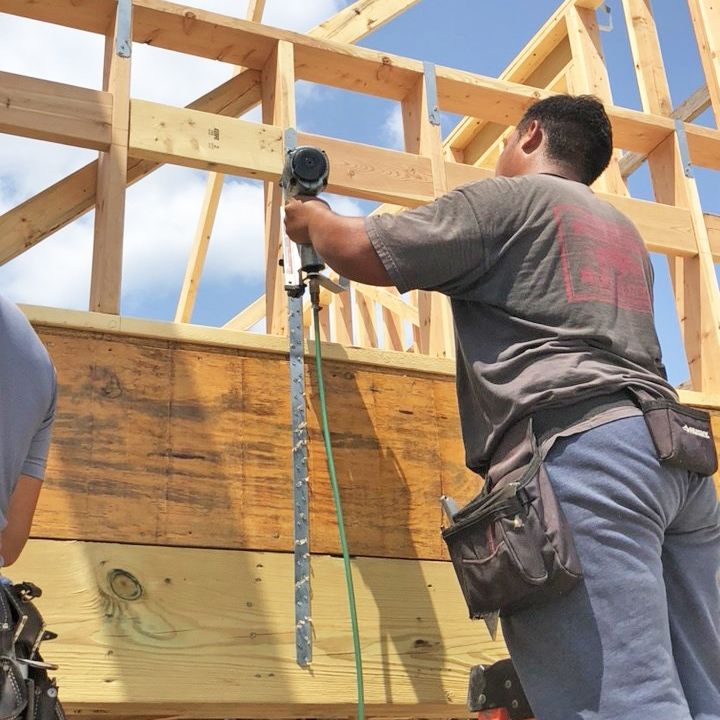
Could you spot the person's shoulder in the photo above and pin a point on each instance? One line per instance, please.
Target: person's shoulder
(494, 189)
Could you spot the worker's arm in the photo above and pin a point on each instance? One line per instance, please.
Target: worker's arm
(446, 245)
(21, 510)
(342, 242)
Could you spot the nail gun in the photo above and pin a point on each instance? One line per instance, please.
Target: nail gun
(305, 172)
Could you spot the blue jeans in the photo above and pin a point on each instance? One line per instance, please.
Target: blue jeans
(640, 636)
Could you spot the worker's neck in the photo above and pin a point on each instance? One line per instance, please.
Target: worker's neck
(546, 168)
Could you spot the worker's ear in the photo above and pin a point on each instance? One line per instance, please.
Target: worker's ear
(532, 138)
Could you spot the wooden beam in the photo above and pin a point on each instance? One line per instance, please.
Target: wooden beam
(137, 638)
(53, 111)
(704, 146)
(40, 216)
(359, 170)
(249, 316)
(589, 76)
(705, 16)
(255, 10)
(163, 133)
(688, 110)
(239, 42)
(712, 223)
(359, 69)
(278, 109)
(649, 66)
(695, 281)
(106, 273)
(214, 337)
(666, 180)
(361, 18)
(390, 301)
(423, 136)
(373, 173)
(198, 251)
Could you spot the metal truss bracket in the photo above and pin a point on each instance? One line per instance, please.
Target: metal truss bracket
(431, 93)
(303, 623)
(123, 28)
(684, 149)
(301, 545)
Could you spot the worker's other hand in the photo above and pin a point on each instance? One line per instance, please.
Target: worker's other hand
(299, 212)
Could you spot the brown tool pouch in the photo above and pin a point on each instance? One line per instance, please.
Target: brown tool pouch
(511, 546)
(682, 435)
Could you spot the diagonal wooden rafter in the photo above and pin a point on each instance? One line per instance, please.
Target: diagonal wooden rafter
(693, 106)
(705, 15)
(211, 200)
(58, 205)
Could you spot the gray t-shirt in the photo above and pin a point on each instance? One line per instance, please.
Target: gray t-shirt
(551, 291)
(27, 402)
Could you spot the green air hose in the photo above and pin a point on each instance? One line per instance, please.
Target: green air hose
(338, 513)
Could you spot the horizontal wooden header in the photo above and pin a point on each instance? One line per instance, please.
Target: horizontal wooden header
(243, 43)
(221, 337)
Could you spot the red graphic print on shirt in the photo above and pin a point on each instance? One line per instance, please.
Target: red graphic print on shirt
(602, 260)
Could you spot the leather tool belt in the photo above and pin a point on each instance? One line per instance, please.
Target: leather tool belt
(511, 546)
(26, 690)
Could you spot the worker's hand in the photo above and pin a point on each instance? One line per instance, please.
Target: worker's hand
(299, 212)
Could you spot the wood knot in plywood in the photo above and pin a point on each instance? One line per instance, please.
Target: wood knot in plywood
(188, 21)
(385, 69)
(125, 585)
(107, 382)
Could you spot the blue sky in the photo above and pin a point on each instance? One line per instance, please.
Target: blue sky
(469, 34)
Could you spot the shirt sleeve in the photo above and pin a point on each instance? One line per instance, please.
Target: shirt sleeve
(440, 246)
(36, 459)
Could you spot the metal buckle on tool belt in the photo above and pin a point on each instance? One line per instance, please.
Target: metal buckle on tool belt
(495, 693)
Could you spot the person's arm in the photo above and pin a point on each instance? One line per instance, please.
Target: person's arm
(342, 242)
(439, 246)
(21, 510)
(24, 497)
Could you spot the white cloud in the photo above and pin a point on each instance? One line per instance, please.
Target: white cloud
(392, 129)
(54, 273)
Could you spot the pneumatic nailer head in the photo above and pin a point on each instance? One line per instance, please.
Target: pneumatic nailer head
(306, 171)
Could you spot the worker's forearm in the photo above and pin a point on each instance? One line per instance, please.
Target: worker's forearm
(334, 237)
(344, 245)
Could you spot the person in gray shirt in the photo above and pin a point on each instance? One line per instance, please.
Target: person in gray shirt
(551, 291)
(27, 411)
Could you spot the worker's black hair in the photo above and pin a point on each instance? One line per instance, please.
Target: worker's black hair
(578, 132)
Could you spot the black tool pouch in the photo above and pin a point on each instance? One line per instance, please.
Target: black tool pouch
(26, 690)
(682, 435)
(511, 546)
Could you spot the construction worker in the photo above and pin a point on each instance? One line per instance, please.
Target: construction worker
(27, 410)
(551, 290)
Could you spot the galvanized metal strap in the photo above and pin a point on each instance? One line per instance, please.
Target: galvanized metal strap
(123, 28)
(431, 93)
(303, 626)
(301, 547)
(684, 149)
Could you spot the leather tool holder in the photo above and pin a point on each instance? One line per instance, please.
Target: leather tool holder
(26, 690)
(511, 546)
